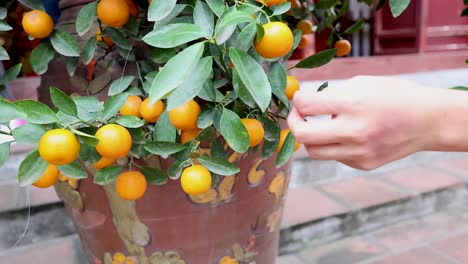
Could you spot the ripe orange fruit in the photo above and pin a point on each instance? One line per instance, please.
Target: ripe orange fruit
(305, 26)
(38, 24)
(188, 135)
(106, 39)
(48, 178)
(133, 8)
(255, 130)
(277, 41)
(292, 86)
(59, 147)
(185, 116)
(104, 162)
(272, 2)
(114, 13)
(151, 112)
(131, 106)
(114, 141)
(195, 180)
(119, 257)
(343, 47)
(304, 42)
(284, 133)
(228, 260)
(131, 185)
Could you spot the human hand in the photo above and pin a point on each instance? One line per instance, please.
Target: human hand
(376, 120)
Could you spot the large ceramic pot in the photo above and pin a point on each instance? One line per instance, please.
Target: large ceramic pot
(237, 219)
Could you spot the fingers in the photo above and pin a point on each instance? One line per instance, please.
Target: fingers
(331, 152)
(311, 103)
(315, 132)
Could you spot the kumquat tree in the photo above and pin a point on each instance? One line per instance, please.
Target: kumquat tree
(193, 119)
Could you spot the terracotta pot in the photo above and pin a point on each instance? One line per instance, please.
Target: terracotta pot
(238, 218)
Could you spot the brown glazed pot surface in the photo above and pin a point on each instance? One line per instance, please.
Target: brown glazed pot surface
(200, 233)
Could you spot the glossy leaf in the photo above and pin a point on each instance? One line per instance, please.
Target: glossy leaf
(278, 81)
(318, 59)
(28, 134)
(120, 85)
(64, 43)
(10, 74)
(174, 35)
(62, 101)
(398, 6)
(86, 18)
(3, 54)
(113, 105)
(154, 176)
(164, 148)
(204, 17)
(73, 171)
(159, 9)
(286, 151)
(37, 112)
(175, 72)
(117, 37)
(41, 56)
(164, 130)
(130, 121)
(89, 50)
(31, 169)
(355, 27)
(33, 4)
(234, 132)
(4, 152)
(107, 175)
(219, 166)
(217, 6)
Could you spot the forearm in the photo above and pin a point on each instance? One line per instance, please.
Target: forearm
(450, 121)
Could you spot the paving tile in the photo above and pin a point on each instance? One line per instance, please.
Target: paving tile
(458, 166)
(456, 247)
(364, 192)
(348, 251)
(289, 259)
(421, 255)
(422, 179)
(306, 204)
(409, 234)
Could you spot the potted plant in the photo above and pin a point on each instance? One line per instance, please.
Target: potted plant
(162, 128)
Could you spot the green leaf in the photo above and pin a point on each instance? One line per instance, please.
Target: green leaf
(322, 87)
(464, 12)
(72, 64)
(4, 26)
(154, 176)
(31, 169)
(245, 38)
(219, 166)
(67, 119)
(355, 27)
(164, 148)
(117, 37)
(159, 9)
(282, 8)
(37, 112)
(171, 17)
(112, 106)
(162, 55)
(253, 77)
(278, 81)
(203, 17)
(86, 18)
(175, 72)
(192, 86)
(286, 151)
(233, 17)
(272, 129)
(217, 6)
(33, 4)
(64, 43)
(398, 6)
(107, 175)
(269, 147)
(120, 85)
(3, 14)
(325, 4)
(241, 90)
(62, 101)
(205, 119)
(209, 93)
(88, 107)
(174, 35)
(175, 169)
(318, 59)
(260, 32)
(41, 56)
(460, 88)
(9, 111)
(89, 50)
(28, 134)
(223, 34)
(206, 134)
(73, 171)
(3, 54)
(234, 132)
(217, 149)
(4, 153)
(297, 35)
(130, 121)
(164, 130)
(11, 74)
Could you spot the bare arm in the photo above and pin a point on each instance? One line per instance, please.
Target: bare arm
(378, 120)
